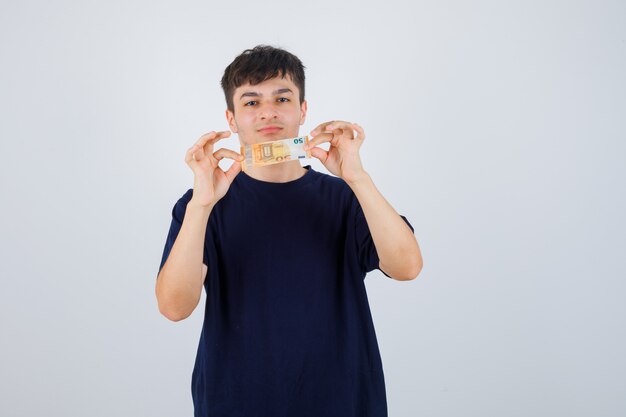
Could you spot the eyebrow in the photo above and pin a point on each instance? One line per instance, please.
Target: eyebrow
(255, 94)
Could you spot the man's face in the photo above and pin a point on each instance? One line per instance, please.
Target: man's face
(274, 102)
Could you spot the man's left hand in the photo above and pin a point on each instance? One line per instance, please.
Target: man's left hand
(342, 158)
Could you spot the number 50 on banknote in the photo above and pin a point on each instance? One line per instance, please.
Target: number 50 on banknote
(274, 152)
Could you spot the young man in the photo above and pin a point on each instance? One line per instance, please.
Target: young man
(282, 252)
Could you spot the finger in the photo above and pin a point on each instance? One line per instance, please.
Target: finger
(219, 136)
(320, 154)
(338, 124)
(204, 138)
(320, 128)
(195, 153)
(212, 137)
(233, 171)
(198, 150)
(207, 140)
(360, 132)
(320, 138)
(227, 153)
(341, 125)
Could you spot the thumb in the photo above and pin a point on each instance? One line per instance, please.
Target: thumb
(319, 153)
(232, 172)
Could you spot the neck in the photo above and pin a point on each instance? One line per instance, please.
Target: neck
(282, 172)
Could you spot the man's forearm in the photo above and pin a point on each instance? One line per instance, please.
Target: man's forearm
(179, 284)
(398, 251)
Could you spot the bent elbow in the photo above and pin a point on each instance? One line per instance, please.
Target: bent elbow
(412, 272)
(175, 306)
(173, 309)
(173, 315)
(176, 318)
(417, 266)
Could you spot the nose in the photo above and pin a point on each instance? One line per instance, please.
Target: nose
(267, 112)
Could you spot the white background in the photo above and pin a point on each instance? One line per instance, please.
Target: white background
(497, 128)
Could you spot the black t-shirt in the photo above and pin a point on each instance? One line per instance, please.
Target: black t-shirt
(287, 328)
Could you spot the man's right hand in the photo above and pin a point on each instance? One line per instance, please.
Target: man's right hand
(210, 182)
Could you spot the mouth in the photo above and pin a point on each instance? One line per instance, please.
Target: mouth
(272, 129)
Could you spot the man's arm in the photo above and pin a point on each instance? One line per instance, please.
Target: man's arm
(179, 284)
(399, 254)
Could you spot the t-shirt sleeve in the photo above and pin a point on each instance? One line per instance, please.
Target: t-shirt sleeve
(368, 257)
(178, 214)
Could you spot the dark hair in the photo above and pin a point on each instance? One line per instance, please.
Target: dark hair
(258, 64)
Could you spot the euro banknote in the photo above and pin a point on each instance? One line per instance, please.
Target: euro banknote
(274, 152)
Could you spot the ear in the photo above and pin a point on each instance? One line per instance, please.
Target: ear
(230, 118)
(303, 110)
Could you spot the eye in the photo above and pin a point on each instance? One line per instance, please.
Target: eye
(253, 101)
(284, 98)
